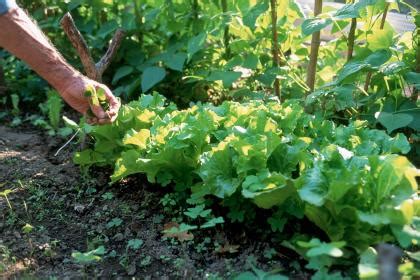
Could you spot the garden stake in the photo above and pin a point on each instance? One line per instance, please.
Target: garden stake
(93, 71)
(351, 38)
(315, 42)
(275, 50)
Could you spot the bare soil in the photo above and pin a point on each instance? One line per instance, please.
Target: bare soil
(65, 211)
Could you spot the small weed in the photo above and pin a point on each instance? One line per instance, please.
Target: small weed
(115, 222)
(107, 196)
(270, 253)
(146, 261)
(134, 244)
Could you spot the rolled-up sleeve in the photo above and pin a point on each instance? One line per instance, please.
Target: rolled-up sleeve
(6, 5)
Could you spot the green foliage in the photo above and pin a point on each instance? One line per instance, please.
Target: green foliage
(347, 180)
(89, 257)
(54, 106)
(115, 222)
(134, 244)
(257, 155)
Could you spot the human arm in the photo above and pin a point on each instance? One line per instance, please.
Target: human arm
(20, 36)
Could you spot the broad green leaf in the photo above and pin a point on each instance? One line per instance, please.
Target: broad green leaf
(107, 28)
(151, 76)
(394, 121)
(74, 4)
(413, 79)
(351, 68)
(411, 108)
(176, 61)
(393, 68)
(374, 219)
(344, 96)
(312, 25)
(378, 58)
(380, 38)
(196, 43)
(251, 61)
(347, 11)
(227, 77)
(121, 73)
(375, 59)
(250, 18)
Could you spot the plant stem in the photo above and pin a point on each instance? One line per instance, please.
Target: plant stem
(276, 48)
(226, 35)
(381, 26)
(416, 92)
(139, 20)
(195, 10)
(315, 42)
(384, 16)
(351, 38)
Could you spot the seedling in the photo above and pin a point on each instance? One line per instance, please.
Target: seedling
(89, 257)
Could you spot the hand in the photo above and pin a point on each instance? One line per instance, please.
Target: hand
(74, 95)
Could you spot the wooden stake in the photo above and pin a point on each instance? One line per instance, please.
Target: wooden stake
(276, 48)
(313, 58)
(416, 92)
(351, 38)
(93, 71)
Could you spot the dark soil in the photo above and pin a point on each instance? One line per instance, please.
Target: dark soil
(65, 211)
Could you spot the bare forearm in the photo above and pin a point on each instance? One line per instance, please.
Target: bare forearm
(20, 36)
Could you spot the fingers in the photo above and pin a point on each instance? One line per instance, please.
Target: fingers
(94, 121)
(101, 116)
(98, 111)
(114, 104)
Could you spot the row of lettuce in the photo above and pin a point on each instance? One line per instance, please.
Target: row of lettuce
(348, 180)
